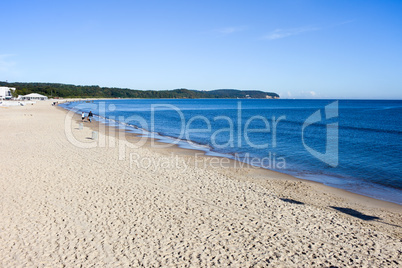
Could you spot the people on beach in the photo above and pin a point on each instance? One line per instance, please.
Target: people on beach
(82, 116)
(90, 116)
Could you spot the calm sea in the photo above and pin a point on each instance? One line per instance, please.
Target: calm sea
(350, 144)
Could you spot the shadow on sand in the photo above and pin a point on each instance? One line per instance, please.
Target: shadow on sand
(356, 214)
(349, 211)
(292, 201)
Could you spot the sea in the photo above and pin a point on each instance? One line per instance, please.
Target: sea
(349, 144)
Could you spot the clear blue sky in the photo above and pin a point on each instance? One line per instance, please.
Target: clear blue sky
(299, 49)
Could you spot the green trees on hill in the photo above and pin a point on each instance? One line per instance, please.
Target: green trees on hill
(72, 91)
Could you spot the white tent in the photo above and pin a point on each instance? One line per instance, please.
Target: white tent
(33, 96)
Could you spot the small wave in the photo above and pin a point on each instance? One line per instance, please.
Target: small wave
(318, 124)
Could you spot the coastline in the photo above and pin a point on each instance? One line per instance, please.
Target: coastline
(258, 171)
(381, 192)
(117, 213)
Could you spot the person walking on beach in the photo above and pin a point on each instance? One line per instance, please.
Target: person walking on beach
(82, 116)
(90, 116)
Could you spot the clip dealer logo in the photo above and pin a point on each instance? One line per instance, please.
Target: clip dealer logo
(331, 155)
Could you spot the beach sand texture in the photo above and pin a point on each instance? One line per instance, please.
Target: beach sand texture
(62, 205)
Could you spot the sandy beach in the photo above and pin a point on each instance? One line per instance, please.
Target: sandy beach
(68, 200)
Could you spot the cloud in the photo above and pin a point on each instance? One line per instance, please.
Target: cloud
(343, 23)
(309, 95)
(231, 30)
(283, 33)
(301, 95)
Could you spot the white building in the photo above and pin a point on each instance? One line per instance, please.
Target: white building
(33, 96)
(5, 93)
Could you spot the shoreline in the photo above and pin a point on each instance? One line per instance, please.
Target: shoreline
(261, 173)
(70, 200)
(231, 158)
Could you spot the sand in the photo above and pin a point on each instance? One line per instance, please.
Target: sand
(109, 205)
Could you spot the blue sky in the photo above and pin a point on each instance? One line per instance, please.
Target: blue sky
(299, 49)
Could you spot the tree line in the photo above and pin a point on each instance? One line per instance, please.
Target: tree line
(74, 91)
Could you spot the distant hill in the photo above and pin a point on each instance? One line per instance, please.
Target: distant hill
(234, 93)
(73, 91)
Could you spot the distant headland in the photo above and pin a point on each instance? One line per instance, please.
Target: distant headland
(74, 91)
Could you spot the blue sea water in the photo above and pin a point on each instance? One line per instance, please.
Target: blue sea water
(349, 144)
